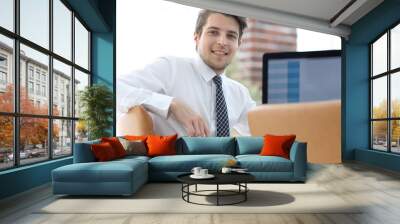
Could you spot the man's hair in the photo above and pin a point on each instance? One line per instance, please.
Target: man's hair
(204, 14)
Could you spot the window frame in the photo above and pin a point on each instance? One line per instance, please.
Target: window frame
(16, 114)
(388, 74)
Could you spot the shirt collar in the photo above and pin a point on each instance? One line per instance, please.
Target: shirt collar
(204, 70)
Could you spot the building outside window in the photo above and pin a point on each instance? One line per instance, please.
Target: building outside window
(385, 91)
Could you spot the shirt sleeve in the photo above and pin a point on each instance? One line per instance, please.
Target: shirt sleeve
(242, 127)
(147, 87)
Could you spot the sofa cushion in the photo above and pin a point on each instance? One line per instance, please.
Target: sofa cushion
(257, 163)
(116, 145)
(134, 147)
(161, 145)
(185, 163)
(249, 145)
(277, 145)
(103, 151)
(206, 145)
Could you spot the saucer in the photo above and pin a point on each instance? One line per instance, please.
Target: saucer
(208, 176)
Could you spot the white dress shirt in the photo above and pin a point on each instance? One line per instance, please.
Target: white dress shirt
(190, 81)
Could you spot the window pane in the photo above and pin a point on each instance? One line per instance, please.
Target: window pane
(33, 139)
(395, 136)
(379, 100)
(81, 45)
(6, 142)
(62, 89)
(62, 29)
(379, 55)
(6, 74)
(395, 47)
(62, 133)
(379, 135)
(81, 131)
(35, 21)
(395, 94)
(81, 81)
(34, 81)
(7, 14)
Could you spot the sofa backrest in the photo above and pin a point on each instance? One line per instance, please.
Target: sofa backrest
(206, 145)
(249, 145)
(317, 123)
(83, 152)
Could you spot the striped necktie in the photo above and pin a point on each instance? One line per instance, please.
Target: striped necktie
(221, 111)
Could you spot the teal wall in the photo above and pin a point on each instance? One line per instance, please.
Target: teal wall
(104, 53)
(24, 178)
(356, 94)
(99, 16)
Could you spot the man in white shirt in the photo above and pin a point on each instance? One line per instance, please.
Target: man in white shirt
(181, 93)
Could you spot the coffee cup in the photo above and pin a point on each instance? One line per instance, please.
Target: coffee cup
(226, 170)
(196, 170)
(203, 172)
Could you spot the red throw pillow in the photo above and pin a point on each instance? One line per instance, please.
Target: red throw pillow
(103, 151)
(277, 145)
(116, 145)
(161, 145)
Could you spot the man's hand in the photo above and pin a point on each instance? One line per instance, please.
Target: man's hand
(191, 121)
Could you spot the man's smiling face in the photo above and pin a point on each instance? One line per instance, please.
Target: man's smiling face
(218, 41)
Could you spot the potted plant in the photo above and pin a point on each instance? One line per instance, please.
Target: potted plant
(96, 102)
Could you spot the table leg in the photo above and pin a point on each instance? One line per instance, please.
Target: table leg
(196, 188)
(217, 194)
(245, 191)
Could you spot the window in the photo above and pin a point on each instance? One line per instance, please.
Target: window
(43, 90)
(35, 21)
(43, 77)
(3, 78)
(3, 72)
(6, 71)
(385, 91)
(37, 75)
(30, 87)
(30, 72)
(54, 125)
(38, 89)
(3, 61)
(7, 14)
(81, 45)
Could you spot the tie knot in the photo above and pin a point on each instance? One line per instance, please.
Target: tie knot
(217, 80)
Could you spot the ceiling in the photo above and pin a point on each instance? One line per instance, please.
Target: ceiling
(327, 16)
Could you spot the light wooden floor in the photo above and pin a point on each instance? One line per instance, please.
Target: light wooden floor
(353, 182)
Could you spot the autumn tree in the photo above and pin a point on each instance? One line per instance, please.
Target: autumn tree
(380, 127)
(33, 130)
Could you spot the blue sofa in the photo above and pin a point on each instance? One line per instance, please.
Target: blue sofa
(125, 176)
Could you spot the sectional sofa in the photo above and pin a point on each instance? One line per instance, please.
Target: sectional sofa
(125, 176)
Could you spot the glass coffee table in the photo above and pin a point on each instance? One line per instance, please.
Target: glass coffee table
(238, 179)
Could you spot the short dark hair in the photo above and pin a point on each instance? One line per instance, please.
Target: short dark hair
(205, 13)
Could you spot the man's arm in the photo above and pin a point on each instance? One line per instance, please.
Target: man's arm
(147, 87)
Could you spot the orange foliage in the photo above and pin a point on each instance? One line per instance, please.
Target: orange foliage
(33, 130)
